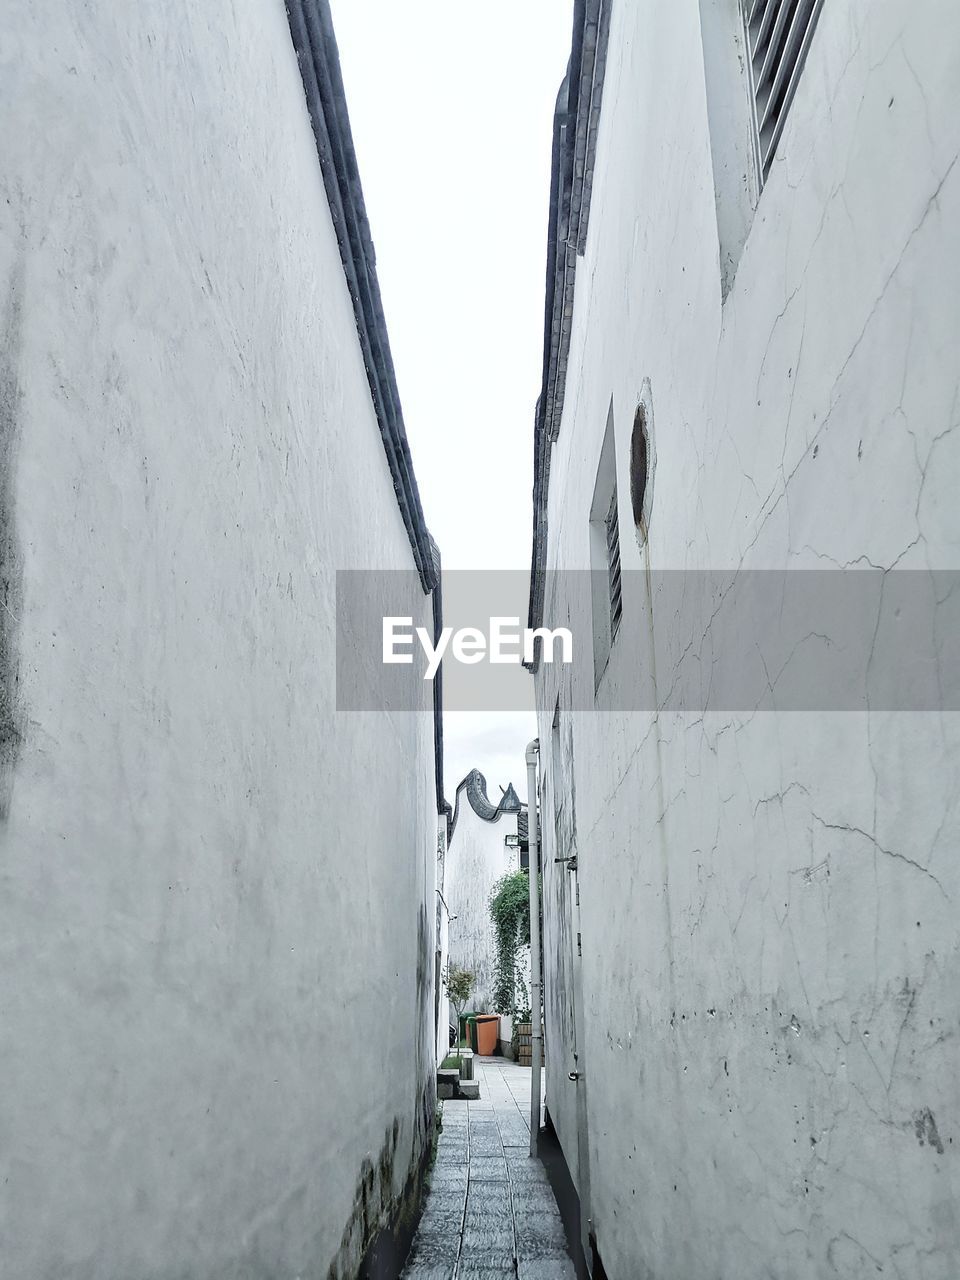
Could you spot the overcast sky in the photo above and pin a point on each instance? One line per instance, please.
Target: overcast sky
(451, 106)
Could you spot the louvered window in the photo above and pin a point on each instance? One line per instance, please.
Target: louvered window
(612, 525)
(778, 36)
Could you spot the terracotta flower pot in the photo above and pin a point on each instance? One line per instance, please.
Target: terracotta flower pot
(488, 1033)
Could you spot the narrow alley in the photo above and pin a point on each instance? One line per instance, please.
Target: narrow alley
(490, 1211)
(480, 584)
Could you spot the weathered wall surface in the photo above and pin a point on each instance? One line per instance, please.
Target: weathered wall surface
(216, 894)
(444, 1011)
(768, 903)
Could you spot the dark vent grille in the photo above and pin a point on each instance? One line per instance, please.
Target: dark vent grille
(778, 35)
(613, 565)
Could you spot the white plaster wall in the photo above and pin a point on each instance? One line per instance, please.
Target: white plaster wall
(216, 893)
(558, 839)
(769, 904)
(445, 1013)
(476, 860)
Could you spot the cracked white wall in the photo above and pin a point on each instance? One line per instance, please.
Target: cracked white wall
(444, 1010)
(216, 893)
(768, 902)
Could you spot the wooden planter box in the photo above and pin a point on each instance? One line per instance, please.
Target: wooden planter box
(524, 1032)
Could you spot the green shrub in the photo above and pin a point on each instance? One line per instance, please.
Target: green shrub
(510, 912)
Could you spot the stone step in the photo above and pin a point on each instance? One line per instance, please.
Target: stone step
(447, 1080)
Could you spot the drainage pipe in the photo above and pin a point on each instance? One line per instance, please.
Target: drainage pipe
(536, 1048)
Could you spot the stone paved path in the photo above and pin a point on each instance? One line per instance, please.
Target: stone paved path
(490, 1212)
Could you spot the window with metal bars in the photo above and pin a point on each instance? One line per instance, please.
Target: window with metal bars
(778, 37)
(606, 586)
(612, 526)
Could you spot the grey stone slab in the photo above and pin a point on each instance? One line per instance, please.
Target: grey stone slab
(440, 1221)
(490, 1204)
(434, 1250)
(469, 1089)
(446, 1193)
(452, 1135)
(435, 1242)
(445, 1089)
(452, 1141)
(488, 1244)
(514, 1136)
(489, 1192)
(549, 1252)
(546, 1269)
(485, 1144)
(443, 1213)
(533, 1199)
(428, 1271)
(525, 1168)
(521, 1188)
(488, 1168)
(489, 1270)
(541, 1235)
(454, 1182)
(451, 1155)
(491, 1201)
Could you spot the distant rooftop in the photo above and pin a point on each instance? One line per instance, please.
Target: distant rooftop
(474, 787)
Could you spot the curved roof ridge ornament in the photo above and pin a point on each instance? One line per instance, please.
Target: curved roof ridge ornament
(475, 787)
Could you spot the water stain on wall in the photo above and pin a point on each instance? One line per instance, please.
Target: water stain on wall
(378, 1232)
(377, 1236)
(11, 563)
(925, 1127)
(423, 985)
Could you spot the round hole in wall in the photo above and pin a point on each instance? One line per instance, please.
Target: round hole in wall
(640, 469)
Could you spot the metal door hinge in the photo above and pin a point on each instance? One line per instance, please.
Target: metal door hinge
(573, 1075)
(579, 945)
(571, 862)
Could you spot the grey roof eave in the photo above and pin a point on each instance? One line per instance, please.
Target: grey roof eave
(311, 29)
(575, 127)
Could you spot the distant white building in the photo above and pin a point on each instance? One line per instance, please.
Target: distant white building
(752, 946)
(487, 841)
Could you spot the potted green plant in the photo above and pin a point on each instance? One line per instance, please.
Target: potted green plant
(459, 984)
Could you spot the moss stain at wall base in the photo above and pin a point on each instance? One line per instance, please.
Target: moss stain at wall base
(11, 564)
(382, 1225)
